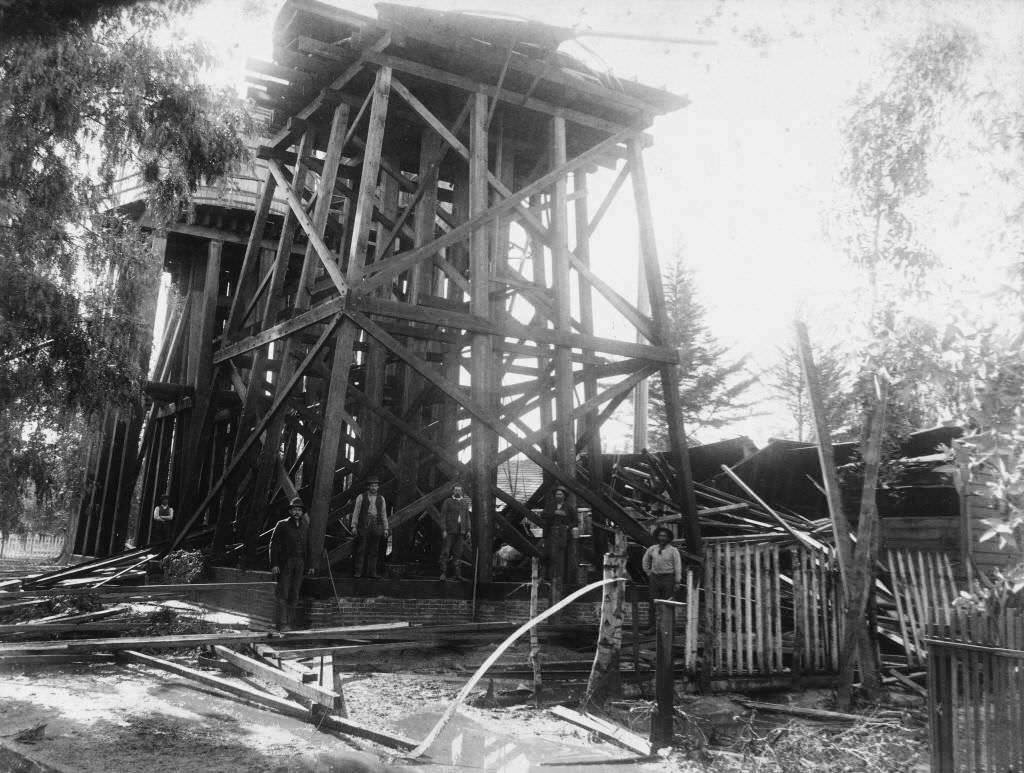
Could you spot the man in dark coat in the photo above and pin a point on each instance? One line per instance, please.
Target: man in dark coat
(559, 517)
(455, 528)
(369, 526)
(289, 556)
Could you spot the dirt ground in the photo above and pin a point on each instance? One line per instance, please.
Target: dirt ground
(105, 717)
(110, 717)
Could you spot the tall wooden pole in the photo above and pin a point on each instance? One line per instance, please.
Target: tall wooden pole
(481, 381)
(333, 429)
(683, 494)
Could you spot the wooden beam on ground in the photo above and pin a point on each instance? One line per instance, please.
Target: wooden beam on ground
(120, 591)
(607, 730)
(315, 693)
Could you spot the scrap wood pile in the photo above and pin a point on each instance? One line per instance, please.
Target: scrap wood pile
(643, 484)
(913, 590)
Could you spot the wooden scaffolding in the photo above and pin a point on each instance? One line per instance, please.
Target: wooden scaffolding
(423, 308)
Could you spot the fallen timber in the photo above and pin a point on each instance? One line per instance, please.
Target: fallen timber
(280, 705)
(188, 640)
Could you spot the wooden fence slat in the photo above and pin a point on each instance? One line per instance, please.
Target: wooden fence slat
(748, 624)
(759, 578)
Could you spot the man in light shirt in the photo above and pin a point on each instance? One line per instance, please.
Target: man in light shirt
(369, 525)
(663, 566)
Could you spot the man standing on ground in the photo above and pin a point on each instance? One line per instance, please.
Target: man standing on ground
(455, 528)
(289, 556)
(663, 566)
(369, 525)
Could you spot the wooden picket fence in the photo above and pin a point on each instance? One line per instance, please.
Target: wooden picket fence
(976, 693)
(764, 599)
(816, 612)
(923, 588)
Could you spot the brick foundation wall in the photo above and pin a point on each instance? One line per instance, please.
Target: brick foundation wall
(349, 610)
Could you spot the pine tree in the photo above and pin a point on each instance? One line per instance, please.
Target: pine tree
(786, 380)
(712, 385)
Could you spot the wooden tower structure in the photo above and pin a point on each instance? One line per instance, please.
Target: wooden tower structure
(424, 307)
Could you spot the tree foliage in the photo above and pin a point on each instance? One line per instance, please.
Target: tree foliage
(786, 380)
(712, 385)
(88, 93)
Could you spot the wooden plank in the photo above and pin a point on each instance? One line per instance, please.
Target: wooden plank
(116, 591)
(315, 693)
(246, 693)
(327, 258)
(614, 733)
(317, 314)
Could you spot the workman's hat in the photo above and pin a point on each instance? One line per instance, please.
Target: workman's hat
(372, 479)
(296, 502)
(563, 489)
(663, 529)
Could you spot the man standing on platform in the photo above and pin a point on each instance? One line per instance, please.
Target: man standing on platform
(369, 525)
(163, 516)
(455, 528)
(289, 556)
(663, 566)
(559, 517)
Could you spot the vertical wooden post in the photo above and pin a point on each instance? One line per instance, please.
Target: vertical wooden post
(663, 719)
(560, 276)
(683, 494)
(201, 370)
(605, 676)
(332, 431)
(481, 386)
(539, 268)
(534, 637)
(590, 423)
(421, 279)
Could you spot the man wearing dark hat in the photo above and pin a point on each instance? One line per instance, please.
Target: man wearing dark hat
(289, 556)
(369, 526)
(455, 527)
(663, 566)
(559, 517)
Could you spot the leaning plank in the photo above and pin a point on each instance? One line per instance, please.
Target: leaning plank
(612, 732)
(315, 693)
(251, 694)
(83, 617)
(800, 711)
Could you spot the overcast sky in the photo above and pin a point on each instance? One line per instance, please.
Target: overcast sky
(745, 179)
